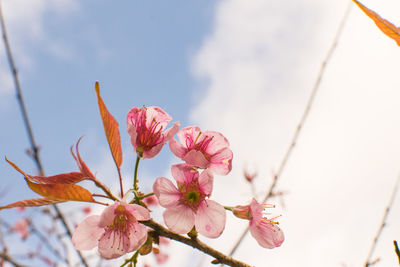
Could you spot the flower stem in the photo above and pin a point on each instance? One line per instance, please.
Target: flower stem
(135, 187)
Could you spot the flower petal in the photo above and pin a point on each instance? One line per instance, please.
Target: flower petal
(267, 235)
(188, 135)
(139, 212)
(179, 219)
(86, 235)
(210, 219)
(217, 143)
(111, 245)
(221, 162)
(157, 114)
(107, 217)
(140, 236)
(184, 173)
(177, 148)
(196, 158)
(166, 192)
(206, 182)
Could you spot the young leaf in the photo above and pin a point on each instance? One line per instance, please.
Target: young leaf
(81, 164)
(31, 203)
(64, 178)
(110, 128)
(385, 26)
(61, 192)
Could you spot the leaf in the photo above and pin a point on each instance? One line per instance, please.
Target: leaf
(385, 26)
(110, 128)
(64, 178)
(31, 203)
(81, 164)
(61, 192)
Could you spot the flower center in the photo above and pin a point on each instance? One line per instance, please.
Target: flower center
(191, 195)
(148, 137)
(199, 145)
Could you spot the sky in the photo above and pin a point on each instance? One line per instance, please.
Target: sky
(243, 68)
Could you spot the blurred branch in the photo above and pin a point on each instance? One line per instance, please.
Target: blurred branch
(220, 258)
(7, 258)
(396, 249)
(302, 120)
(34, 147)
(383, 223)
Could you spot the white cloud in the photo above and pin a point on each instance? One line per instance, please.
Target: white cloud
(259, 64)
(25, 25)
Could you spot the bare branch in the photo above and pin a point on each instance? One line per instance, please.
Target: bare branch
(383, 223)
(396, 249)
(34, 147)
(302, 120)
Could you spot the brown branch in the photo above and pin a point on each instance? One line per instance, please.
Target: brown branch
(7, 258)
(34, 147)
(383, 223)
(220, 258)
(396, 249)
(302, 120)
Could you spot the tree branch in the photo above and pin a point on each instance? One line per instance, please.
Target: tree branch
(195, 243)
(34, 147)
(383, 223)
(302, 120)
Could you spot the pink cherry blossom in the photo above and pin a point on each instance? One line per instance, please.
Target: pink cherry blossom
(186, 205)
(265, 231)
(22, 228)
(205, 150)
(145, 126)
(115, 232)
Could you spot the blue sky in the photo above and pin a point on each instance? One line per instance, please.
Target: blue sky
(244, 68)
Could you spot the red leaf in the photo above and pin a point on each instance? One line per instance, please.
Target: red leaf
(31, 203)
(62, 192)
(64, 178)
(385, 26)
(81, 164)
(110, 128)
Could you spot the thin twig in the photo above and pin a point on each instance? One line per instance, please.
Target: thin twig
(220, 258)
(302, 120)
(396, 249)
(7, 258)
(383, 223)
(34, 147)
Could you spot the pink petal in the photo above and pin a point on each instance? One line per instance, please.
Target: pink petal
(140, 213)
(87, 233)
(184, 173)
(210, 219)
(111, 245)
(148, 154)
(179, 219)
(177, 148)
(188, 133)
(140, 236)
(267, 235)
(158, 114)
(169, 133)
(217, 143)
(131, 129)
(221, 162)
(206, 182)
(107, 217)
(196, 158)
(166, 192)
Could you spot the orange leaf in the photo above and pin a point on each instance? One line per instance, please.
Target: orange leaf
(30, 203)
(64, 178)
(385, 26)
(111, 129)
(61, 192)
(81, 164)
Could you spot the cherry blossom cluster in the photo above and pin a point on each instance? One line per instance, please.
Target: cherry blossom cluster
(121, 227)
